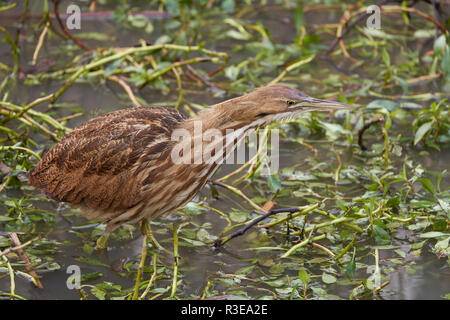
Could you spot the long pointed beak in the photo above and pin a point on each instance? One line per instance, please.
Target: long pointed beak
(313, 104)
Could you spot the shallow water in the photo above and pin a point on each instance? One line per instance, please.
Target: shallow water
(428, 278)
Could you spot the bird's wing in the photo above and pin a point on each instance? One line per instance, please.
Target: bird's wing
(94, 165)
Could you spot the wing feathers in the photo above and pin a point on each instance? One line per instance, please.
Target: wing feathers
(97, 164)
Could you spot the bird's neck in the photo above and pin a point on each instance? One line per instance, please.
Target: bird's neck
(219, 117)
(213, 133)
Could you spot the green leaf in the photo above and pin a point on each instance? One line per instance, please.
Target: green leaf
(232, 72)
(433, 234)
(386, 58)
(276, 283)
(238, 35)
(138, 21)
(245, 270)
(304, 276)
(277, 268)
(328, 278)
(91, 276)
(440, 225)
(228, 5)
(298, 18)
(427, 185)
(442, 245)
(195, 243)
(393, 202)
(88, 248)
(383, 104)
(173, 7)
(333, 130)
(423, 129)
(95, 36)
(204, 235)
(238, 215)
(439, 45)
(381, 236)
(445, 206)
(274, 182)
(193, 208)
(400, 252)
(5, 218)
(98, 293)
(92, 261)
(350, 269)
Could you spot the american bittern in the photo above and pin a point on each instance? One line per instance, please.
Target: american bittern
(118, 166)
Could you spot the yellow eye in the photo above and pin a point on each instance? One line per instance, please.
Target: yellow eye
(290, 102)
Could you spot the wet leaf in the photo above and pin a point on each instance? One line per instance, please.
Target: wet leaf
(298, 18)
(88, 248)
(98, 293)
(92, 261)
(445, 206)
(328, 278)
(194, 208)
(440, 225)
(440, 45)
(442, 245)
(422, 131)
(381, 236)
(276, 283)
(433, 234)
(245, 270)
(304, 276)
(204, 236)
(383, 104)
(91, 276)
(228, 5)
(274, 182)
(427, 185)
(350, 269)
(386, 58)
(238, 215)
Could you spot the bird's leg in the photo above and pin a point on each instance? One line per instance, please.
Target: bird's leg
(219, 242)
(175, 260)
(102, 241)
(145, 226)
(146, 230)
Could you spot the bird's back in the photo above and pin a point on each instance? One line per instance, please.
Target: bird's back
(99, 164)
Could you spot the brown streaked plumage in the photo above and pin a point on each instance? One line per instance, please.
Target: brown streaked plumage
(118, 166)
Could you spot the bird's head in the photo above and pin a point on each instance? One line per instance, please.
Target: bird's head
(265, 105)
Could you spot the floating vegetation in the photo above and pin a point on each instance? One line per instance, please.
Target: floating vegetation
(367, 190)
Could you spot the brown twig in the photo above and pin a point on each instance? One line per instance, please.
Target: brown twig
(205, 80)
(21, 23)
(127, 89)
(363, 129)
(24, 257)
(221, 241)
(420, 13)
(342, 33)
